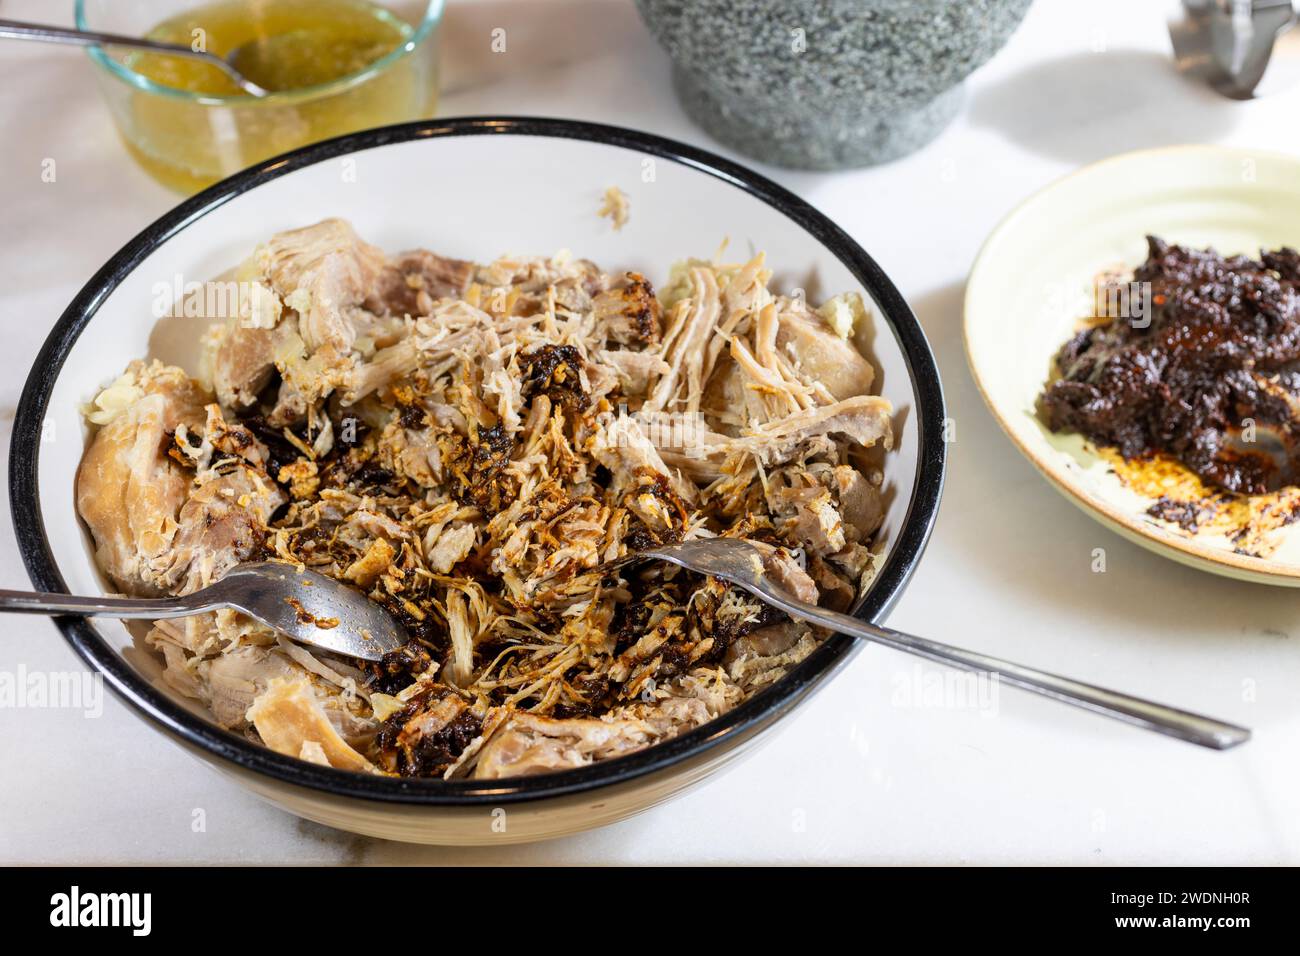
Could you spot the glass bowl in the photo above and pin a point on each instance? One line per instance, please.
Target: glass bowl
(190, 140)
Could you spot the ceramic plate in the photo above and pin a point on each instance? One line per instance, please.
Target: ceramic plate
(1033, 281)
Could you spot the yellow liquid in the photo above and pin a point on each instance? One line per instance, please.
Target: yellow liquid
(306, 42)
(297, 44)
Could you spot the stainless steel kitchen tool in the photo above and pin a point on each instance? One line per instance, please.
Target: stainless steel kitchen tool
(14, 30)
(753, 568)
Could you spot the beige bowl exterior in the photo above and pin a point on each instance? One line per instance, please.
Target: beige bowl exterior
(544, 818)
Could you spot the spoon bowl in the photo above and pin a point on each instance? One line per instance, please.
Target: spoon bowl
(310, 608)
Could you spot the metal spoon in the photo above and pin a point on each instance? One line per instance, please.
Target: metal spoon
(15, 30)
(751, 567)
(305, 606)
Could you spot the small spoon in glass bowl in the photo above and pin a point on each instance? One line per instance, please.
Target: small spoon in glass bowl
(15, 30)
(303, 605)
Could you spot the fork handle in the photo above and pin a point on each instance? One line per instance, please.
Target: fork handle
(1194, 728)
(36, 602)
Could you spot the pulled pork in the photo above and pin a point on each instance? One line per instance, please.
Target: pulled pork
(468, 444)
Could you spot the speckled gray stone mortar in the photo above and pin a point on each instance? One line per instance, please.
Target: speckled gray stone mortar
(827, 84)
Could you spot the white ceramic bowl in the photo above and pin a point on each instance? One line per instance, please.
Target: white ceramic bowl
(1032, 283)
(473, 188)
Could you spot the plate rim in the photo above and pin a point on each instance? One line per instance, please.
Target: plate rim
(748, 718)
(1189, 552)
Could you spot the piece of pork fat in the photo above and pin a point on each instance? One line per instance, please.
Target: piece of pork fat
(452, 328)
(290, 720)
(684, 703)
(860, 501)
(621, 445)
(629, 313)
(412, 453)
(415, 280)
(635, 371)
(460, 633)
(233, 679)
(684, 347)
(765, 655)
(816, 519)
(745, 297)
(223, 522)
(451, 546)
(501, 378)
(321, 280)
(781, 566)
(526, 744)
(826, 506)
(864, 420)
(221, 438)
(819, 355)
(386, 366)
(531, 274)
(129, 491)
(325, 273)
(240, 360)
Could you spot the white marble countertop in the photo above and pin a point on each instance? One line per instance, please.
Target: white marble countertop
(866, 772)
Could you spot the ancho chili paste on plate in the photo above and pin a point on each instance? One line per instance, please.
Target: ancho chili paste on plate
(1204, 367)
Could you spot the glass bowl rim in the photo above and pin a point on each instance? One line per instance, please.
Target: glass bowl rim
(428, 23)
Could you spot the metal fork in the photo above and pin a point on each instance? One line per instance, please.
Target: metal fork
(754, 568)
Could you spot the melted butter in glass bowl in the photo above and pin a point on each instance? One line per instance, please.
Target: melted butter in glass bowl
(334, 66)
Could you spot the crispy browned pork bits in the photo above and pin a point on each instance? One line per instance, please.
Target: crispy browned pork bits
(1208, 376)
(468, 444)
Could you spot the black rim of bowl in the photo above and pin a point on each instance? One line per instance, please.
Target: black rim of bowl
(735, 724)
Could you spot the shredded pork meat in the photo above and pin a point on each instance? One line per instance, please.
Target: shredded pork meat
(468, 444)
